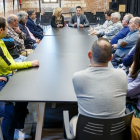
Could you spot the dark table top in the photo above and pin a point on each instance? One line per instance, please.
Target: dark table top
(67, 31)
(60, 57)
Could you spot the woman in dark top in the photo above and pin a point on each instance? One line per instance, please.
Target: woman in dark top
(30, 42)
(57, 18)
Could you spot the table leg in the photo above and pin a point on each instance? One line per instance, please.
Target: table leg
(40, 120)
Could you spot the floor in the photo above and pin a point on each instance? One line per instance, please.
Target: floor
(31, 119)
(30, 126)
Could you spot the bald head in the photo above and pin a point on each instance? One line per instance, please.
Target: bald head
(12, 20)
(134, 23)
(101, 51)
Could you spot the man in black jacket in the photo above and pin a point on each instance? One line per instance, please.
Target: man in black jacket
(78, 19)
(34, 28)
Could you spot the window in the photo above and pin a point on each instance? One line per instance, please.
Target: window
(49, 1)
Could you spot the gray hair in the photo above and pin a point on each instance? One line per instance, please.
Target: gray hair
(128, 17)
(11, 18)
(22, 15)
(30, 12)
(116, 15)
(137, 20)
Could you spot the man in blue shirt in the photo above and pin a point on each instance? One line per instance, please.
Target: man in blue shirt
(124, 45)
(124, 31)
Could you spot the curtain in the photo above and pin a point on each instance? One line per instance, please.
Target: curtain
(132, 6)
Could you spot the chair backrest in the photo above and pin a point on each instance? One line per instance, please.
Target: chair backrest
(37, 17)
(122, 15)
(48, 9)
(104, 129)
(37, 14)
(48, 14)
(45, 19)
(102, 19)
(72, 10)
(92, 19)
(99, 13)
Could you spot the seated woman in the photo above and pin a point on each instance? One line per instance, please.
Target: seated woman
(134, 80)
(30, 42)
(57, 18)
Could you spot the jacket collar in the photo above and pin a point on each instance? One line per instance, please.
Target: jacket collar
(30, 19)
(22, 23)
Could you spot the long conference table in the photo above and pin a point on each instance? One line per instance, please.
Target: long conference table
(61, 53)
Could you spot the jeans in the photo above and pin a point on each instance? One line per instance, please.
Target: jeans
(8, 124)
(14, 116)
(3, 83)
(34, 46)
(21, 58)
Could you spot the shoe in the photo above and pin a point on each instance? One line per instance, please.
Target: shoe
(20, 135)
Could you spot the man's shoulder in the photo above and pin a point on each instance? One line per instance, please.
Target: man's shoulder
(2, 46)
(29, 21)
(79, 73)
(73, 16)
(119, 73)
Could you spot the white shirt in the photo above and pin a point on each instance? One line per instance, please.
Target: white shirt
(78, 21)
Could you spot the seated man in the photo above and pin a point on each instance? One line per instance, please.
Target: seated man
(124, 45)
(100, 91)
(107, 23)
(14, 116)
(34, 28)
(30, 42)
(127, 61)
(112, 30)
(78, 19)
(17, 34)
(124, 31)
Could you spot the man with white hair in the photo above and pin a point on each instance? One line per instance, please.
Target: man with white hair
(14, 32)
(124, 45)
(115, 27)
(124, 31)
(112, 29)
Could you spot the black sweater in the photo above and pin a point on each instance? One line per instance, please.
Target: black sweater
(55, 22)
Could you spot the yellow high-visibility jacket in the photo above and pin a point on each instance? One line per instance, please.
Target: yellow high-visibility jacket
(7, 63)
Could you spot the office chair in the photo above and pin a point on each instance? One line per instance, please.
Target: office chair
(98, 128)
(37, 17)
(72, 10)
(48, 9)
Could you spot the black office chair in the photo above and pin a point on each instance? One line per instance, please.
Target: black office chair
(122, 15)
(87, 14)
(37, 17)
(98, 14)
(102, 19)
(48, 14)
(92, 19)
(99, 129)
(45, 21)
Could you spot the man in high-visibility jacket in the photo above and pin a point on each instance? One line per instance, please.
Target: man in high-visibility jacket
(7, 65)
